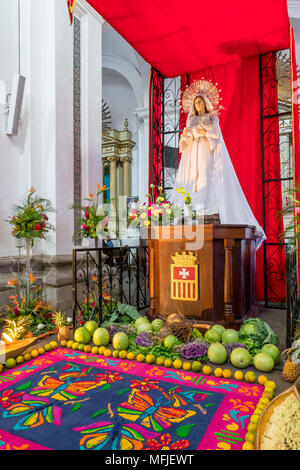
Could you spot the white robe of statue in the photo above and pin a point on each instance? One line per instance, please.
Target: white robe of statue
(206, 172)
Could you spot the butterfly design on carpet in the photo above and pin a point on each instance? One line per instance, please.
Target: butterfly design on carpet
(119, 436)
(140, 407)
(34, 412)
(180, 398)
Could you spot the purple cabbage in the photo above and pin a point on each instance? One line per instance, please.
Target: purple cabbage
(144, 339)
(193, 350)
(231, 346)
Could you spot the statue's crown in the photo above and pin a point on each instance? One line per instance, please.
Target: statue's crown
(184, 259)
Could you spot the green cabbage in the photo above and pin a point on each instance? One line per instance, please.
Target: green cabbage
(254, 333)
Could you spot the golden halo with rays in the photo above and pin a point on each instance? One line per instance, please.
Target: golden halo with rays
(283, 76)
(204, 88)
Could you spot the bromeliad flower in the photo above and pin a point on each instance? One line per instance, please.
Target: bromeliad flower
(109, 377)
(145, 385)
(8, 398)
(164, 443)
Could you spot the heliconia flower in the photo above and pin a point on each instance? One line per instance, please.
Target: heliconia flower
(12, 283)
(16, 311)
(101, 189)
(38, 227)
(31, 190)
(87, 215)
(32, 278)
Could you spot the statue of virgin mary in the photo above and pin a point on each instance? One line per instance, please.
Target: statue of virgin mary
(205, 170)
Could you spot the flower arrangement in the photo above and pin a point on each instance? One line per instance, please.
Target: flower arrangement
(30, 222)
(94, 221)
(28, 303)
(159, 211)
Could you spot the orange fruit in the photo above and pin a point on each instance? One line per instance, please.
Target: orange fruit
(123, 354)
(116, 353)
(130, 356)
(238, 375)
(63, 343)
(107, 353)
(102, 350)
(42, 351)
(262, 379)
(167, 362)
(87, 348)
(34, 353)
(187, 366)
(218, 372)
(227, 373)
(95, 350)
(27, 356)
(140, 357)
(19, 360)
(207, 370)
(248, 446)
(177, 364)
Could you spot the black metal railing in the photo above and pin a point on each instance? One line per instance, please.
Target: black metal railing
(104, 278)
(293, 304)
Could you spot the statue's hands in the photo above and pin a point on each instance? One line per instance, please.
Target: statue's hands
(201, 132)
(185, 132)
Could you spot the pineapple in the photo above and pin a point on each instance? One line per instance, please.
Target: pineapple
(61, 323)
(18, 328)
(291, 369)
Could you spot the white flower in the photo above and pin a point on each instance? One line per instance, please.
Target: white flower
(69, 320)
(40, 326)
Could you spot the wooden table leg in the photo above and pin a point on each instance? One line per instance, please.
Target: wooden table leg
(228, 284)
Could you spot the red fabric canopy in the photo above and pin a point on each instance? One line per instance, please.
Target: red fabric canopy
(179, 37)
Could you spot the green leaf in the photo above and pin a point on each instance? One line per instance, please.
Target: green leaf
(123, 390)
(105, 387)
(184, 431)
(98, 413)
(76, 407)
(24, 386)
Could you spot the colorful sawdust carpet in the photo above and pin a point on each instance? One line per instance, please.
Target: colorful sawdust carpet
(71, 400)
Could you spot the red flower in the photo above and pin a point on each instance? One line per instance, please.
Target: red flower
(164, 444)
(85, 227)
(297, 211)
(38, 227)
(16, 311)
(109, 377)
(9, 398)
(45, 217)
(87, 215)
(145, 385)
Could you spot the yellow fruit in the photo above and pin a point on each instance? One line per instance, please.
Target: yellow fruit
(150, 358)
(268, 395)
(257, 412)
(160, 361)
(250, 437)
(177, 364)
(254, 419)
(34, 353)
(115, 353)
(252, 427)
(196, 366)
(70, 344)
(140, 357)
(87, 348)
(53, 344)
(63, 343)
(95, 350)
(48, 347)
(238, 375)
(75, 346)
(42, 351)
(102, 349)
(260, 406)
(227, 373)
(168, 363)
(19, 360)
(262, 379)
(10, 363)
(248, 446)
(123, 354)
(107, 353)
(270, 384)
(265, 401)
(187, 366)
(27, 356)
(130, 356)
(81, 347)
(218, 372)
(250, 377)
(269, 390)
(207, 370)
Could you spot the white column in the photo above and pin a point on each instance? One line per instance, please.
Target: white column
(91, 95)
(142, 115)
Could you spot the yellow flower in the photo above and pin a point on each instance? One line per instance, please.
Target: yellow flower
(160, 199)
(147, 222)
